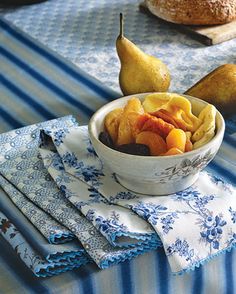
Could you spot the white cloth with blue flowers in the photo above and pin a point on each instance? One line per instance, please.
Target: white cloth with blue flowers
(193, 225)
(21, 165)
(115, 223)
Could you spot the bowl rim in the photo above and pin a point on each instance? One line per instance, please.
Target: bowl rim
(219, 133)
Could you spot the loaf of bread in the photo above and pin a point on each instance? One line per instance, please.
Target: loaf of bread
(194, 12)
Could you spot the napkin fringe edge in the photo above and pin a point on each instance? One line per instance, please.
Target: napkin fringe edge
(113, 260)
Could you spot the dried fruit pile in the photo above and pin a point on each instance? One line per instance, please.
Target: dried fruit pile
(162, 125)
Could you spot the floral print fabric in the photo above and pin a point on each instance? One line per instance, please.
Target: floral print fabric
(22, 166)
(194, 225)
(114, 223)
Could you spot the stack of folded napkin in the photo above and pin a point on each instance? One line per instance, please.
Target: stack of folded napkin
(60, 189)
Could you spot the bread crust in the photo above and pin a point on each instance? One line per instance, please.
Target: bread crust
(194, 12)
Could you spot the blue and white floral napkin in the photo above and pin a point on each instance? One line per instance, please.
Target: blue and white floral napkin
(194, 225)
(114, 222)
(22, 166)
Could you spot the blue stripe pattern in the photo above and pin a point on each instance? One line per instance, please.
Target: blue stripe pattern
(230, 140)
(10, 119)
(85, 280)
(223, 171)
(162, 270)
(126, 278)
(197, 281)
(58, 62)
(26, 98)
(45, 82)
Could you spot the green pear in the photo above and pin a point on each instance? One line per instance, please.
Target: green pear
(139, 71)
(218, 88)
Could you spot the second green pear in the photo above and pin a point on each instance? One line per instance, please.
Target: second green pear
(140, 72)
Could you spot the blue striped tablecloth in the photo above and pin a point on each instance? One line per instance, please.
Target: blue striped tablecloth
(36, 85)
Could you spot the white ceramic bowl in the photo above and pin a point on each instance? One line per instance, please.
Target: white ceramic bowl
(155, 175)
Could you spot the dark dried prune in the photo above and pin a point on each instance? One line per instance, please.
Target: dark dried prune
(106, 139)
(134, 148)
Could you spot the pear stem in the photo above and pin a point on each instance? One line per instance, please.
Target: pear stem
(121, 26)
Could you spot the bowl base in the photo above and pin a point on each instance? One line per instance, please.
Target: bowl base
(157, 189)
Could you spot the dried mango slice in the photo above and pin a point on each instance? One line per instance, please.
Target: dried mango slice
(112, 121)
(177, 105)
(170, 118)
(207, 118)
(147, 122)
(163, 114)
(156, 143)
(154, 102)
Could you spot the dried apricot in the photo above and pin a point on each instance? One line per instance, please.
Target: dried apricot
(163, 114)
(157, 125)
(155, 142)
(137, 127)
(176, 138)
(172, 151)
(169, 118)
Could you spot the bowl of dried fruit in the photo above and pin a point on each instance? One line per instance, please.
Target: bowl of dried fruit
(156, 143)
